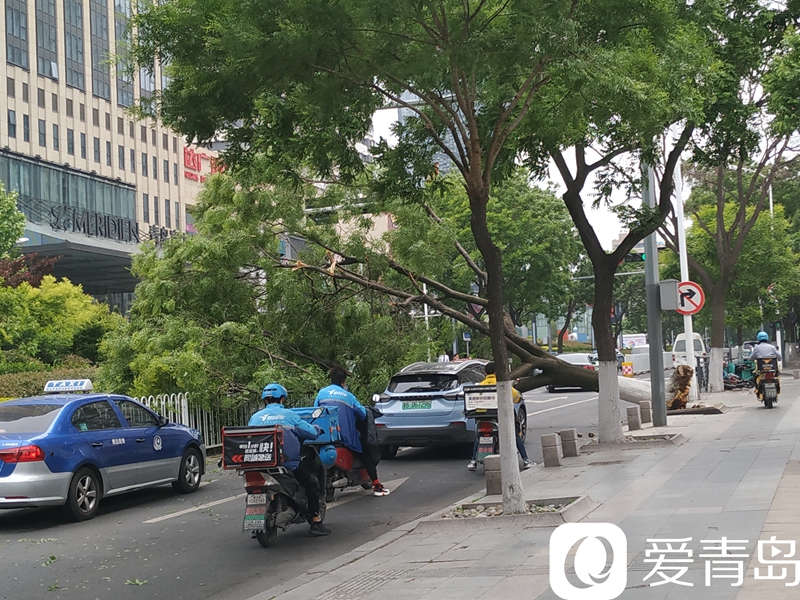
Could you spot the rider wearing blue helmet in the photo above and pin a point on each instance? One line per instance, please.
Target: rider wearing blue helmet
(764, 349)
(295, 430)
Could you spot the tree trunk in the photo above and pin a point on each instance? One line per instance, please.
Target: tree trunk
(739, 337)
(715, 379)
(513, 492)
(565, 329)
(609, 420)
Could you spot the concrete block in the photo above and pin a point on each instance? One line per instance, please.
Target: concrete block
(796, 373)
(646, 411)
(570, 447)
(550, 440)
(494, 483)
(568, 435)
(491, 462)
(552, 457)
(634, 422)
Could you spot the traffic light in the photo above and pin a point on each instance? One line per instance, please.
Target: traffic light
(634, 257)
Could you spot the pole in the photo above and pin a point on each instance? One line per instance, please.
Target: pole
(778, 336)
(653, 297)
(427, 325)
(688, 330)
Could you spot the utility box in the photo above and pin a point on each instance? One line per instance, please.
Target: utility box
(669, 294)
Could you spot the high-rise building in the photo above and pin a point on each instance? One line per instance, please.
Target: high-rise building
(93, 182)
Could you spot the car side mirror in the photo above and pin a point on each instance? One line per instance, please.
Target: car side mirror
(162, 421)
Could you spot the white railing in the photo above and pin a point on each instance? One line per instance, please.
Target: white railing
(209, 422)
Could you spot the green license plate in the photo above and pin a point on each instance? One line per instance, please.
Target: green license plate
(416, 405)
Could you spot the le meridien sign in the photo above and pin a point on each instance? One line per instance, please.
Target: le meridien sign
(95, 224)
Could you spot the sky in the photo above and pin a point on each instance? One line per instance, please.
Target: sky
(605, 223)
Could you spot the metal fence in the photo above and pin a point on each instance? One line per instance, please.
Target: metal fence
(209, 422)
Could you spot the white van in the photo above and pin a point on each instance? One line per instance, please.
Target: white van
(679, 349)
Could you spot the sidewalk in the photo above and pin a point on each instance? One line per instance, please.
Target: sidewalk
(736, 476)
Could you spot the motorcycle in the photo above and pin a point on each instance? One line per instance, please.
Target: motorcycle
(348, 469)
(274, 498)
(768, 383)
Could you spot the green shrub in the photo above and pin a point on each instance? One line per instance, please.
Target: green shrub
(20, 385)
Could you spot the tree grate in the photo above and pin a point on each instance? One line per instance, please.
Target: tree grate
(361, 585)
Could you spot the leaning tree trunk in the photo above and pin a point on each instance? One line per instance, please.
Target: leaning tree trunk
(565, 329)
(610, 423)
(715, 379)
(513, 492)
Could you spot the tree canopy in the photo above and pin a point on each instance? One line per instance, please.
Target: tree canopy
(12, 222)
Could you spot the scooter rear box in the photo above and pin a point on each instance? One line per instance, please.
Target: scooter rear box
(480, 401)
(252, 447)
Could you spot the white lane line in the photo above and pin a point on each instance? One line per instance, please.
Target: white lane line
(180, 513)
(554, 398)
(392, 485)
(538, 412)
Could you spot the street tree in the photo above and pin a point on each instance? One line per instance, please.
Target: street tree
(292, 86)
(12, 222)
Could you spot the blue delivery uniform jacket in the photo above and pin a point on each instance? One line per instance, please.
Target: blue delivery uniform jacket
(350, 409)
(295, 430)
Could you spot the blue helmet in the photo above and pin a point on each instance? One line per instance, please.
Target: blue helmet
(327, 455)
(762, 336)
(274, 391)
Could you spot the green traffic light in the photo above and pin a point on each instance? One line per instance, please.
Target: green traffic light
(643, 256)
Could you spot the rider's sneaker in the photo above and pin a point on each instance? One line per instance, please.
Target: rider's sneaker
(379, 490)
(319, 529)
(473, 465)
(526, 464)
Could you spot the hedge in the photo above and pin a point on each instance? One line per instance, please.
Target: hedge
(20, 385)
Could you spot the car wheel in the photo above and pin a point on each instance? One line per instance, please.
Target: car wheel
(523, 423)
(388, 451)
(83, 496)
(190, 473)
(551, 389)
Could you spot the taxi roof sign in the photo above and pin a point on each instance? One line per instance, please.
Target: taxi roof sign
(68, 385)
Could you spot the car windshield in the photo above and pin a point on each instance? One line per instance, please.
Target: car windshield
(27, 418)
(680, 346)
(576, 359)
(425, 382)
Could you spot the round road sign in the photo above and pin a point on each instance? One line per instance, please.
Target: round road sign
(690, 298)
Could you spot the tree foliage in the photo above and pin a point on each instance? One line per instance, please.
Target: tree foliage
(12, 222)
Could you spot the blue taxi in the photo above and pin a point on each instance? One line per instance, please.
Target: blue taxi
(73, 449)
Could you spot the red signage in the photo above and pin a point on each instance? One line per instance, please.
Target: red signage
(193, 164)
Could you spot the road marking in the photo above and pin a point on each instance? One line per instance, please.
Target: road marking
(392, 485)
(180, 513)
(355, 493)
(548, 400)
(538, 412)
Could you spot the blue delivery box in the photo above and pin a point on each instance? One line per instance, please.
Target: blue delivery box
(327, 419)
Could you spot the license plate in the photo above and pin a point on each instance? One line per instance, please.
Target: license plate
(422, 404)
(486, 439)
(256, 499)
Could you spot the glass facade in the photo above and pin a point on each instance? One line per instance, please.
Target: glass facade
(46, 39)
(17, 32)
(101, 72)
(73, 44)
(122, 13)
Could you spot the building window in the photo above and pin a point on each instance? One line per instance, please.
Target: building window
(70, 142)
(121, 156)
(120, 126)
(174, 144)
(177, 215)
(122, 13)
(145, 208)
(165, 141)
(24, 92)
(12, 124)
(96, 148)
(26, 128)
(55, 137)
(167, 220)
(82, 112)
(166, 171)
(108, 153)
(46, 39)
(108, 122)
(155, 168)
(153, 137)
(133, 160)
(11, 87)
(69, 107)
(73, 44)
(130, 129)
(40, 97)
(42, 133)
(54, 102)
(147, 82)
(83, 145)
(101, 71)
(17, 32)
(96, 117)
(143, 133)
(155, 210)
(144, 164)
(175, 173)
